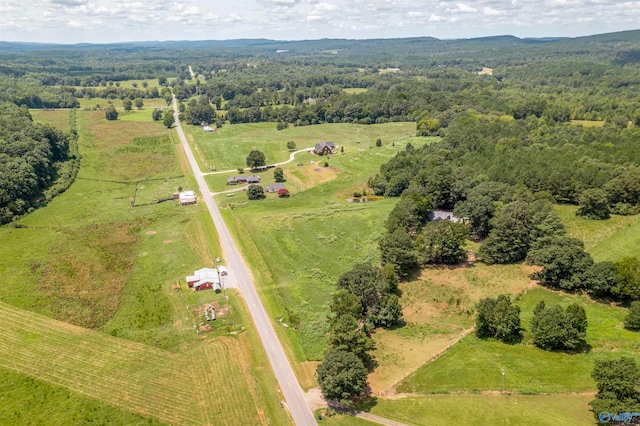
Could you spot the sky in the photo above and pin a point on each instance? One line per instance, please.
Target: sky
(100, 21)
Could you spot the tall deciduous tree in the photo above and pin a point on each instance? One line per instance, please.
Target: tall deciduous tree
(168, 119)
(255, 192)
(346, 334)
(553, 328)
(111, 113)
(594, 204)
(278, 174)
(632, 320)
(255, 159)
(397, 249)
(341, 375)
(498, 318)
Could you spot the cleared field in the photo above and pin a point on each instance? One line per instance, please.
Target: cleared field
(612, 239)
(207, 385)
(534, 410)
(228, 147)
(588, 123)
(93, 259)
(475, 365)
(355, 90)
(102, 103)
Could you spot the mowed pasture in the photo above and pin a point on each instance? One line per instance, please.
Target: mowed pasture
(228, 147)
(105, 255)
(208, 385)
(474, 364)
(93, 103)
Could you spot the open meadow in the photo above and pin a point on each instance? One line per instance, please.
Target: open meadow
(94, 304)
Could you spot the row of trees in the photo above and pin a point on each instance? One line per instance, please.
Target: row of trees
(366, 299)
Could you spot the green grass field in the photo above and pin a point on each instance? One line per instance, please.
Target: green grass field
(228, 147)
(475, 365)
(91, 259)
(612, 239)
(27, 401)
(534, 410)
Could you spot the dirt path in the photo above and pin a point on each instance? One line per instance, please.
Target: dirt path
(292, 157)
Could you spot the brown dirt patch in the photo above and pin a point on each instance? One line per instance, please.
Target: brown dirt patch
(398, 356)
(167, 241)
(151, 232)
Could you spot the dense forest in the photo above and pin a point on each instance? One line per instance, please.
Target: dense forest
(36, 161)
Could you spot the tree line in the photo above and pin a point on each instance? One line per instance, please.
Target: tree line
(34, 159)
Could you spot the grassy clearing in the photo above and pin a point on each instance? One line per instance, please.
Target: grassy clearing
(92, 103)
(57, 118)
(437, 307)
(612, 239)
(535, 410)
(355, 90)
(588, 123)
(475, 365)
(228, 147)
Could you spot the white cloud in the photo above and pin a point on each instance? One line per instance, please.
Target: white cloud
(115, 20)
(489, 11)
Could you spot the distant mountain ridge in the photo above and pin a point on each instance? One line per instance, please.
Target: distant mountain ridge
(325, 43)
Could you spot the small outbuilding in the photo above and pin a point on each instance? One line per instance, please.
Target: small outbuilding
(187, 197)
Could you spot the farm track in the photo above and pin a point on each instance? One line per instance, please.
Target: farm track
(200, 387)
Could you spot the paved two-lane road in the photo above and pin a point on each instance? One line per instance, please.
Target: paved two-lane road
(293, 394)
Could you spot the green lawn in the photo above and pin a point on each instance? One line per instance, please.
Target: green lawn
(228, 147)
(475, 365)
